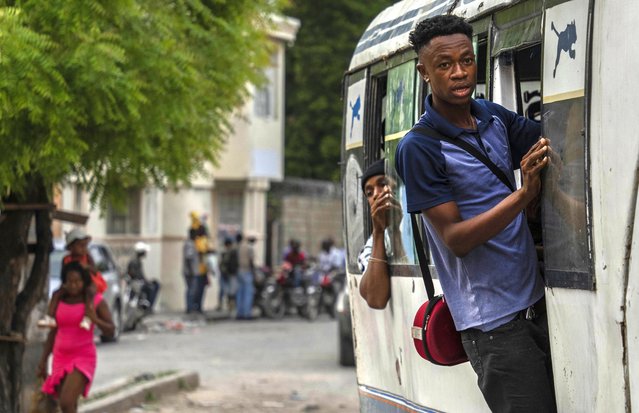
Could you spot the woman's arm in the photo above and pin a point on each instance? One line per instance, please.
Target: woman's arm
(41, 370)
(53, 303)
(101, 317)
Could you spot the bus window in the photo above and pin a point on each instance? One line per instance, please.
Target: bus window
(567, 259)
(400, 110)
(528, 74)
(374, 131)
(481, 49)
(376, 115)
(518, 81)
(399, 104)
(516, 53)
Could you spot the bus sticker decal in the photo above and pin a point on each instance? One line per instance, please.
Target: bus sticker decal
(566, 41)
(355, 117)
(565, 34)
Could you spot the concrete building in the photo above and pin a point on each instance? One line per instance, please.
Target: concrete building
(232, 196)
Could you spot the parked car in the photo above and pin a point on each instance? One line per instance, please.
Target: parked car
(345, 327)
(104, 262)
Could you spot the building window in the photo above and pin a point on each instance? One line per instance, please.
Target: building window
(230, 207)
(125, 220)
(264, 99)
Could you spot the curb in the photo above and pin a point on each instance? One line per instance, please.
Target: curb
(143, 392)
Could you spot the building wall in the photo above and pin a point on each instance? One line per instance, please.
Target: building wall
(306, 210)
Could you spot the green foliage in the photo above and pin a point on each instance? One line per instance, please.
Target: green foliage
(123, 93)
(315, 66)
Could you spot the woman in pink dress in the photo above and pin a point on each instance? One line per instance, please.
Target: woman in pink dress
(74, 355)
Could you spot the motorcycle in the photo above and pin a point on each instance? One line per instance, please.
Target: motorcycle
(330, 283)
(292, 290)
(263, 278)
(136, 305)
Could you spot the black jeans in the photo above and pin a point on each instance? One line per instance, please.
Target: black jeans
(513, 364)
(150, 291)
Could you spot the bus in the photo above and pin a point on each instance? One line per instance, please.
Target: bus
(567, 64)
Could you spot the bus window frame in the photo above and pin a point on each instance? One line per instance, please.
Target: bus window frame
(585, 281)
(350, 79)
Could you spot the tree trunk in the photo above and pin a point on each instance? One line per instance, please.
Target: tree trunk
(19, 293)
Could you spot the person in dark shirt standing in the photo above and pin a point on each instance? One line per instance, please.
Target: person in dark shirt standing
(228, 275)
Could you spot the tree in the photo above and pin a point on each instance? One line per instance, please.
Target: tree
(116, 94)
(315, 66)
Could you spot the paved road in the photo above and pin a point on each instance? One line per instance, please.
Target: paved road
(244, 366)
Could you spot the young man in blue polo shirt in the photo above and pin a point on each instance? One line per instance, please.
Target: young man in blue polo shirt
(476, 228)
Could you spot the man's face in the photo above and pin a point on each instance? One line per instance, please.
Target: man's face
(448, 64)
(375, 187)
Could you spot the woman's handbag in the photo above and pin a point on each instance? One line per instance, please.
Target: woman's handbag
(433, 330)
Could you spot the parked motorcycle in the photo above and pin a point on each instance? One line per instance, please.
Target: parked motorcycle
(330, 283)
(263, 278)
(292, 290)
(136, 306)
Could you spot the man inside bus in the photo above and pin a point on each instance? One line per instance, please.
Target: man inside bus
(475, 225)
(373, 259)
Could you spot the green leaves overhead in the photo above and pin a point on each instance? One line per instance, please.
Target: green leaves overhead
(314, 69)
(123, 93)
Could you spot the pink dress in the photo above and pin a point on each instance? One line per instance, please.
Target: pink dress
(73, 347)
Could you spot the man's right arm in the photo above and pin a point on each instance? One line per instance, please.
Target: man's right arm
(462, 236)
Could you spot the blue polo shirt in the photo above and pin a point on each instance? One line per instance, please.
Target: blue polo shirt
(497, 279)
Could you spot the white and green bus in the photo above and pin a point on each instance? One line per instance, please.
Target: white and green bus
(568, 64)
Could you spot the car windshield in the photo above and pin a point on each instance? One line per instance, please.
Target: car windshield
(99, 258)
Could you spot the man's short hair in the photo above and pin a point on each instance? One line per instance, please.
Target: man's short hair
(442, 25)
(374, 169)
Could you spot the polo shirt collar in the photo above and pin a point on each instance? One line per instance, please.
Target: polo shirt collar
(434, 119)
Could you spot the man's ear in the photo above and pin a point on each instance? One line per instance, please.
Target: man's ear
(422, 72)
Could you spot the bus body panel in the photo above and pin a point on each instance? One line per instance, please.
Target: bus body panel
(632, 315)
(387, 359)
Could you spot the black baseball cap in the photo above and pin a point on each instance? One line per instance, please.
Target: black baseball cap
(374, 169)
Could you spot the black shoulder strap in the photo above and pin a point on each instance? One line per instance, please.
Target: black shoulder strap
(430, 132)
(421, 257)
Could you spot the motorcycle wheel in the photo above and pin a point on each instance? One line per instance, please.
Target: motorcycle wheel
(274, 306)
(310, 310)
(328, 302)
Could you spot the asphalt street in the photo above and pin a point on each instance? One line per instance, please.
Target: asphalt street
(244, 366)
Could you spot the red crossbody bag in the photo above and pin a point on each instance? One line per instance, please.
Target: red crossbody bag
(433, 330)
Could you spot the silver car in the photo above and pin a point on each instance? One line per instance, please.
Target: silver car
(104, 262)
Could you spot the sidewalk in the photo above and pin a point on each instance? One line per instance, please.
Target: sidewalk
(128, 392)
